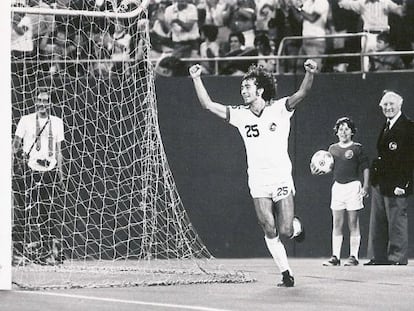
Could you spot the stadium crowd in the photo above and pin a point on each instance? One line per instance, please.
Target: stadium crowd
(219, 28)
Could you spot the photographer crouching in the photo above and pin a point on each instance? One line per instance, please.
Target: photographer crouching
(37, 160)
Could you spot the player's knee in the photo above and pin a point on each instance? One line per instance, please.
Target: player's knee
(268, 228)
(286, 230)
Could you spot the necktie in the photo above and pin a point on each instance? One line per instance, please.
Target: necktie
(387, 127)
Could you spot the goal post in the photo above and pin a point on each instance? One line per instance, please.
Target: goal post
(117, 218)
(5, 172)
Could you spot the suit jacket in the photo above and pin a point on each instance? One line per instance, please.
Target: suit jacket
(395, 162)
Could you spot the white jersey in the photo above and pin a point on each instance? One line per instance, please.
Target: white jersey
(266, 140)
(26, 129)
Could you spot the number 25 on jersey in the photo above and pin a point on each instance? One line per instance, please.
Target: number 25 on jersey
(252, 130)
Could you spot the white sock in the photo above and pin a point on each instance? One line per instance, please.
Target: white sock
(354, 243)
(337, 245)
(297, 228)
(278, 251)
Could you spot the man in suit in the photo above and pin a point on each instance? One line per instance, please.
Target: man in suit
(392, 183)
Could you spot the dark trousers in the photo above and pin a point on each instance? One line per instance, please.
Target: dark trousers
(388, 228)
(36, 216)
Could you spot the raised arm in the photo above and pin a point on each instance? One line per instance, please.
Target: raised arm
(296, 98)
(205, 100)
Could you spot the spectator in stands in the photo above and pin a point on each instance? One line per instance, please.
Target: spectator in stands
(285, 24)
(170, 66)
(385, 62)
(265, 11)
(242, 19)
(159, 32)
(102, 47)
(237, 48)
(41, 23)
(22, 36)
(409, 23)
(314, 17)
(209, 48)
(344, 21)
(374, 14)
(28, 33)
(181, 18)
(138, 47)
(121, 41)
(402, 31)
(262, 44)
(217, 13)
(62, 47)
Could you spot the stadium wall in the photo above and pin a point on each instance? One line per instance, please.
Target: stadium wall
(207, 156)
(208, 161)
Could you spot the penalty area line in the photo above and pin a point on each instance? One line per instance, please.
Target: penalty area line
(131, 302)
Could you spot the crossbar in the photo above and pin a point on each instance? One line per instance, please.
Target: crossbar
(44, 11)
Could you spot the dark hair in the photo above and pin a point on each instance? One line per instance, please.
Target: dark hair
(210, 31)
(262, 39)
(345, 120)
(263, 79)
(175, 65)
(239, 36)
(384, 36)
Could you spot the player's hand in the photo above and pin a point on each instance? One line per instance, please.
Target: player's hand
(399, 191)
(310, 66)
(195, 71)
(315, 171)
(364, 193)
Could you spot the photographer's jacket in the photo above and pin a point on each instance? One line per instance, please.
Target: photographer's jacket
(395, 163)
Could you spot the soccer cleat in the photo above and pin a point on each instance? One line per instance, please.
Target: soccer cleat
(351, 261)
(333, 261)
(298, 229)
(287, 280)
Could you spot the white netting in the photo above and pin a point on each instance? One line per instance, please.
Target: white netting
(117, 219)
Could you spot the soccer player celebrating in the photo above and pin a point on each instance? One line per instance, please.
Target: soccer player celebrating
(264, 124)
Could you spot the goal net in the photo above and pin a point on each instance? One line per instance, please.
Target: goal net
(116, 218)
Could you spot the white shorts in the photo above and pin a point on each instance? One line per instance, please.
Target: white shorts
(276, 190)
(347, 196)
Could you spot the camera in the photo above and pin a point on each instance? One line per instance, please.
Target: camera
(44, 162)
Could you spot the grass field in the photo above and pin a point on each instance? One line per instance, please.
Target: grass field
(317, 288)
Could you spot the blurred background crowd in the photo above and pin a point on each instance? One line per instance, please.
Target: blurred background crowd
(181, 30)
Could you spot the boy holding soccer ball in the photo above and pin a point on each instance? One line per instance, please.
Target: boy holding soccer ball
(347, 190)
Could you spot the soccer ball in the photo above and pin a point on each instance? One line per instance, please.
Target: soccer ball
(323, 161)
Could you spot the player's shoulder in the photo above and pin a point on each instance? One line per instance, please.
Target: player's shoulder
(333, 146)
(358, 147)
(279, 103)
